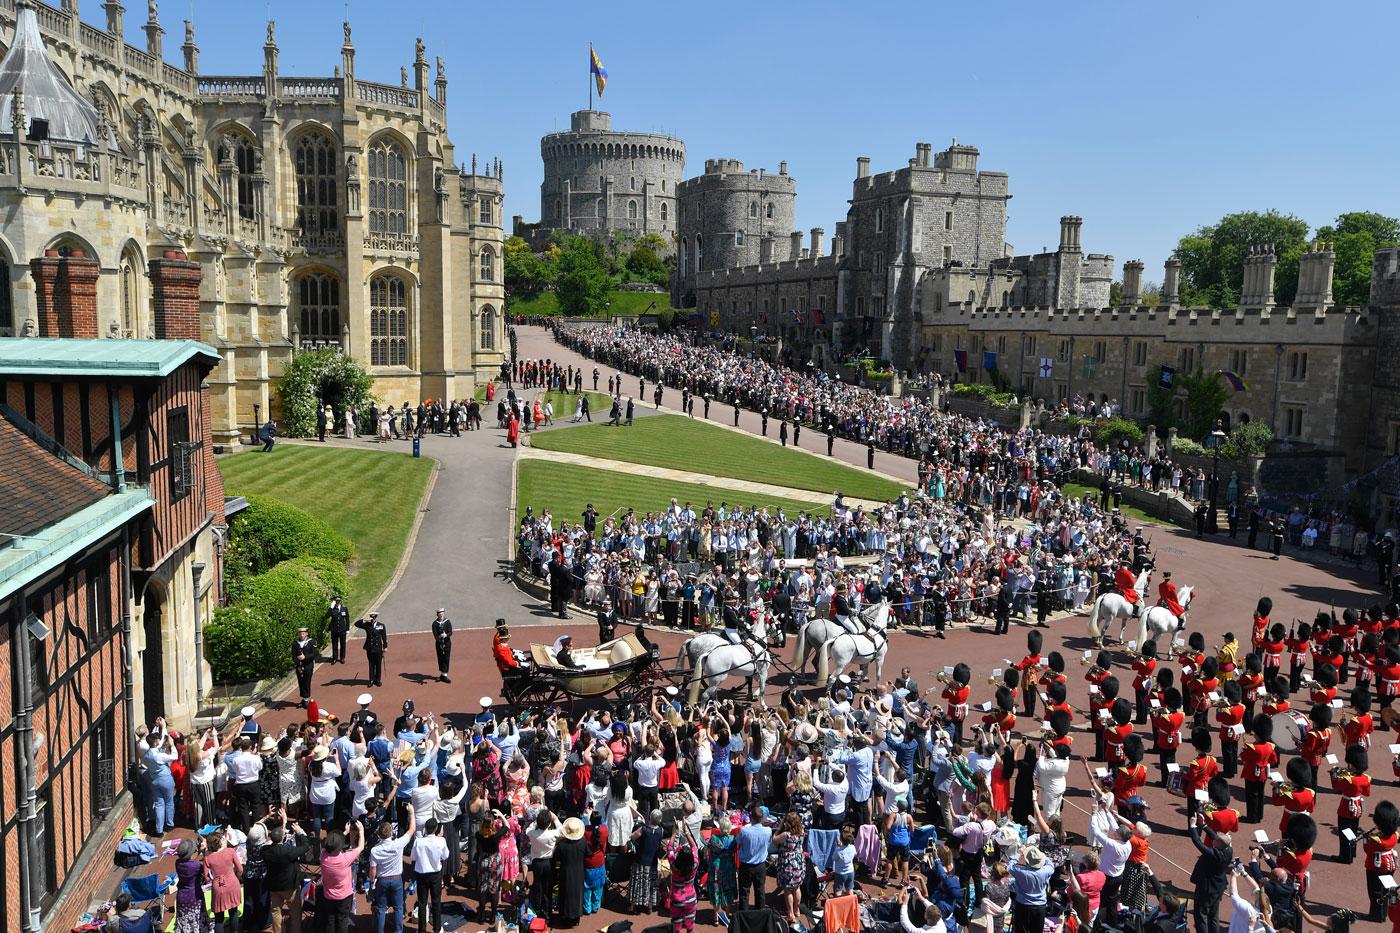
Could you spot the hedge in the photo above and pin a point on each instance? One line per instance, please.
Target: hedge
(1113, 430)
(270, 531)
(253, 640)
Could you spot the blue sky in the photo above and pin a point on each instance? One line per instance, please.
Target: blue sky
(1146, 119)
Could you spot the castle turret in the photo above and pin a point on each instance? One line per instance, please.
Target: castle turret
(1131, 295)
(1315, 277)
(1171, 284)
(1385, 278)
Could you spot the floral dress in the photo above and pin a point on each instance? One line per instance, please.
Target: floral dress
(486, 772)
(518, 790)
(792, 861)
(683, 895)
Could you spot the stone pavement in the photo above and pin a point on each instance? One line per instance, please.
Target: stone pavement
(685, 476)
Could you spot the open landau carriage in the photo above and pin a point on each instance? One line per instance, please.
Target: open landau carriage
(628, 668)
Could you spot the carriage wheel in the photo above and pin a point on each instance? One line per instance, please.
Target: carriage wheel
(538, 693)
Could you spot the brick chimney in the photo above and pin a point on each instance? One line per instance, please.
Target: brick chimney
(175, 296)
(65, 293)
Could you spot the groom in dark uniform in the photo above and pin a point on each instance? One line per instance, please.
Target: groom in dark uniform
(304, 660)
(376, 643)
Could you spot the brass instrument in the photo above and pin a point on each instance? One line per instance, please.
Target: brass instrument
(1286, 788)
(1342, 771)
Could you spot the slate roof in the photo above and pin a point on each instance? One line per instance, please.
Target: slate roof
(38, 489)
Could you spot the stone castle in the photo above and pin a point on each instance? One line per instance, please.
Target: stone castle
(320, 211)
(604, 182)
(919, 274)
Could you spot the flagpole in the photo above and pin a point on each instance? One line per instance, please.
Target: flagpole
(590, 76)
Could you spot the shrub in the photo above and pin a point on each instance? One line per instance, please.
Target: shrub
(293, 594)
(242, 644)
(1113, 430)
(1188, 447)
(1250, 439)
(270, 531)
(977, 390)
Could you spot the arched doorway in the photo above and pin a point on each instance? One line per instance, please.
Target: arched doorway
(152, 657)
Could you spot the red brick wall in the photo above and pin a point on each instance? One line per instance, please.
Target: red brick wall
(65, 293)
(213, 479)
(175, 296)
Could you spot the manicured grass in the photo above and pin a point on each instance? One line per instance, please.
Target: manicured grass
(369, 496)
(680, 443)
(622, 303)
(599, 403)
(566, 490)
(1130, 512)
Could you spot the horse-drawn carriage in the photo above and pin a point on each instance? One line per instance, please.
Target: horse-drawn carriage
(628, 668)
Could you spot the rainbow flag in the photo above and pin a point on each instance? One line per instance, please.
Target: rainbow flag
(1236, 383)
(595, 68)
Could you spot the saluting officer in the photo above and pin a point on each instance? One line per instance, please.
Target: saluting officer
(442, 641)
(376, 643)
(304, 660)
(339, 618)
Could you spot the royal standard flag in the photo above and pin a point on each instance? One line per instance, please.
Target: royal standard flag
(595, 67)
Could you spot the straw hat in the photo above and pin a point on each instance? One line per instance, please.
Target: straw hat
(320, 752)
(1034, 857)
(573, 828)
(805, 732)
(267, 746)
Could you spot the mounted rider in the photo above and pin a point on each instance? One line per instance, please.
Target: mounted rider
(842, 612)
(1167, 596)
(734, 619)
(1126, 585)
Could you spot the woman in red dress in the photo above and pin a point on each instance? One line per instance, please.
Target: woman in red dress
(513, 430)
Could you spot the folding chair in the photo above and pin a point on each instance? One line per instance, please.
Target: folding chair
(147, 887)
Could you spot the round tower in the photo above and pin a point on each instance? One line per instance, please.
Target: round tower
(730, 217)
(598, 181)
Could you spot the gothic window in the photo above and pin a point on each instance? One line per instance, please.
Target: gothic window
(488, 328)
(663, 212)
(598, 207)
(699, 251)
(316, 160)
(245, 158)
(388, 188)
(633, 182)
(488, 264)
(128, 286)
(739, 238)
(7, 308)
(318, 300)
(768, 210)
(631, 210)
(753, 208)
(484, 213)
(879, 220)
(388, 321)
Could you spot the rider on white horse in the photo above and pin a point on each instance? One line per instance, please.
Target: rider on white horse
(841, 611)
(1126, 583)
(1167, 596)
(733, 618)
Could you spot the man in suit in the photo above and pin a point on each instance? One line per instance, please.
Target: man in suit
(376, 643)
(339, 618)
(304, 660)
(1213, 866)
(560, 586)
(322, 418)
(442, 642)
(268, 435)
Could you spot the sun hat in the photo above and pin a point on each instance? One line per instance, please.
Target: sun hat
(573, 828)
(1007, 836)
(1034, 857)
(364, 699)
(267, 746)
(805, 732)
(320, 752)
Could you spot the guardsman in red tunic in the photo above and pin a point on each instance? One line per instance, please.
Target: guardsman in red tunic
(1126, 584)
(1116, 732)
(1229, 712)
(1299, 648)
(1271, 650)
(1258, 759)
(1315, 744)
(1199, 690)
(1198, 773)
(1297, 853)
(1251, 681)
(1167, 721)
(1053, 671)
(1129, 778)
(1357, 729)
(1143, 667)
(1259, 627)
(1380, 855)
(1219, 817)
(956, 692)
(1101, 697)
(1353, 785)
(1003, 712)
(1029, 668)
(1058, 694)
(1296, 794)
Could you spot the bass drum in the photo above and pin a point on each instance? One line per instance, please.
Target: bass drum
(1290, 728)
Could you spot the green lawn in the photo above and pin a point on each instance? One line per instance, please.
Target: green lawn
(680, 443)
(565, 402)
(1130, 512)
(319, 480)
(622, 303)
(566, 490)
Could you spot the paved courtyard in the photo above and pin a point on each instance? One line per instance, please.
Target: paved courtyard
(459, 559)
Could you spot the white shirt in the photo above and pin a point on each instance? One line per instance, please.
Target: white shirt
(541, 842)
(1243, 917)
(429, 852)
(1103, 829)
(833, 796)
(243, 767)
(387, 857)
(648, 771)
(324, 788)
(204, 772)
(422, 799)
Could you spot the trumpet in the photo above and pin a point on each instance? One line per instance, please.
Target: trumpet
(1343, 771)
(1285, 787)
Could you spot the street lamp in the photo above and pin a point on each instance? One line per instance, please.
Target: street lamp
(1214, 440)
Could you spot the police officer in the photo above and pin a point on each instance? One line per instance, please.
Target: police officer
(376, 643)
(442, 642)
(304, 660)
(339, 618)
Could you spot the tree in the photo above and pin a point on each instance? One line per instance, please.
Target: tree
(1355, 237)
(583, 281)
(1160, 408)
(1212, 258)
(1205, 400)
(644, 265)
(321, 377)
(527, 274)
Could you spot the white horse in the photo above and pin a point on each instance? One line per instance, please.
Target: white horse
(749, 660)
(1112, 606)
(1159, 620)
(837, 653)
(810, 639)
(693, 649)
